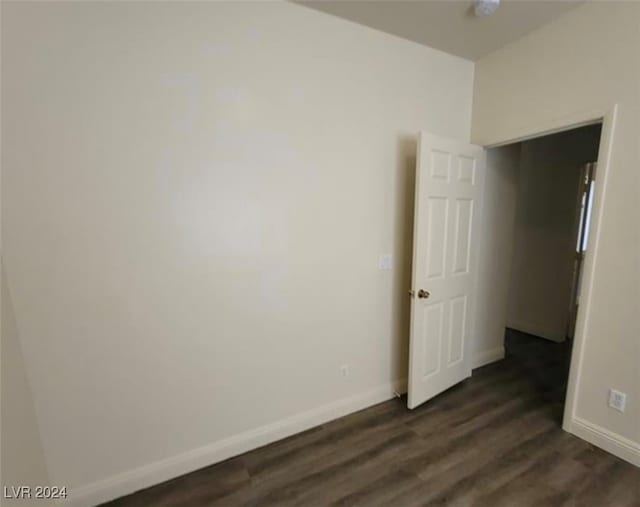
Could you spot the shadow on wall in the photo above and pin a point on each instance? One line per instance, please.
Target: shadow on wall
(404, 198)
(22, 458)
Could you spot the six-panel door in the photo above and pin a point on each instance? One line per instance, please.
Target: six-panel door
(448, 188)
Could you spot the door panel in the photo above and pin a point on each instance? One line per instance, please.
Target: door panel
(436, 237)
(457, 321)
(464, 222)
(448, 187)
(432, 324)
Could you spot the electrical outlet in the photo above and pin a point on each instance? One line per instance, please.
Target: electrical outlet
(617, 400)
(344, 370)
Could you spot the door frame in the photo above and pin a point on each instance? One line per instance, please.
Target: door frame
(606, 115)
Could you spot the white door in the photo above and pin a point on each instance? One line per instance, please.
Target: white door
(447, 211)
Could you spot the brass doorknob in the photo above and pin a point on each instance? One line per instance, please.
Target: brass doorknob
(423, 294)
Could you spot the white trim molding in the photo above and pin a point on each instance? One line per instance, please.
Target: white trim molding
(581, 334)
(611, 442)
(175, 466)
(486, 357)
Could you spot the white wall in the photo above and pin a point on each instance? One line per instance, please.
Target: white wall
(545, 231)
(22, 457)
(195, 196)
(495, 249)
(588, 58)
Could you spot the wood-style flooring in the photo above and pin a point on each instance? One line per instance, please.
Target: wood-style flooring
(494, 440)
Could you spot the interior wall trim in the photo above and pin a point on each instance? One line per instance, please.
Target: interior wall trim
(611, 442)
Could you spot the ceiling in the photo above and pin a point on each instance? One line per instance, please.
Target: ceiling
(448, 25)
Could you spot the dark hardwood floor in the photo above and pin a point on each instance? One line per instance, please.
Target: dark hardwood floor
(494, 440)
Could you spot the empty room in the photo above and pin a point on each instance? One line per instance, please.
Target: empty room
(326, 252)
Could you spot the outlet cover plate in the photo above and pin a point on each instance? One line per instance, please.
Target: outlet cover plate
(617, 400)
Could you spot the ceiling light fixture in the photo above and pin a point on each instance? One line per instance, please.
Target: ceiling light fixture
(485, 7)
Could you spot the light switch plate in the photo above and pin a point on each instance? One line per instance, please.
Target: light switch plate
(385, 262)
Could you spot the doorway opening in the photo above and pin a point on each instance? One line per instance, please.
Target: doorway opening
(539, 193)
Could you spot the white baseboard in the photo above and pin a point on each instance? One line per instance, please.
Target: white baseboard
(487, 356)
(160, 471)
(611, 442)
